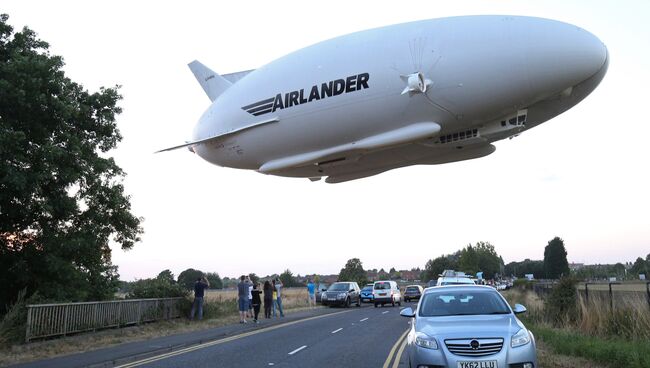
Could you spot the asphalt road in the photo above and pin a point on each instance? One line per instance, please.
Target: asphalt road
(354, 337)
(339, 337)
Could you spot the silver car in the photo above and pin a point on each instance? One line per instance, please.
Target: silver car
(468, 327)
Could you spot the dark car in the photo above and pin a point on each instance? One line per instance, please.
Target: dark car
(366, 293)
(342, 293)
(319, 290)
(412, 292)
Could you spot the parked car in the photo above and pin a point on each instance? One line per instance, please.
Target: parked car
(432, 283)
(366, 293)
(319, 290)
(385, 292)
(451, 277)
(412, 292)
(468, 326)
(342, 293)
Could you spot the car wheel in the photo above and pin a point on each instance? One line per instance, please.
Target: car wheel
(347, 303)
(399, 304)
(406, 300)
(358, 302)
(392, 304)
(375, 305)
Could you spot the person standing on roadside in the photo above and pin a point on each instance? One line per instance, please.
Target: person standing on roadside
(278, 300)
(268, 299)
(199, 291)
(242, 293)
(275, 297)
(249, 313)
(257, 301)
(312, 296)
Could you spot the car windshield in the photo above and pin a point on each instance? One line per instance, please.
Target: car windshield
(382, 286)
(366, 288)
(342, 286)
(462, 302)
(412, 288)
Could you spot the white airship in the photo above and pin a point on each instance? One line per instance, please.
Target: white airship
(421, 93)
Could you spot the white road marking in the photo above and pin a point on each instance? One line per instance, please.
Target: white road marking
(297, 350)
(335, 331)
(384, 312)
(365, 319)
(271, 364)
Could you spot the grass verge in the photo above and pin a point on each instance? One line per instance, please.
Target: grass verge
(609, 352)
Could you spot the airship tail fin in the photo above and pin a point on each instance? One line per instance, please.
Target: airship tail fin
(212, 83)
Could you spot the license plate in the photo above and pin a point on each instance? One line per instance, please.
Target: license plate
(481, 364)
(382, 294)
(331, 298)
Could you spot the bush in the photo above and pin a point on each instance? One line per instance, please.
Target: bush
(155, 288)
(561, 305)
(212, 308)
(13, 323)
(524, 284)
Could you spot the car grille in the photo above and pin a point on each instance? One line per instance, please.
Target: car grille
(474, 347)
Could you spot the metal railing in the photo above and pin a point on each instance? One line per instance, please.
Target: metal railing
(45, 320)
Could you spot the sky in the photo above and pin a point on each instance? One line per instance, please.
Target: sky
(583, 176)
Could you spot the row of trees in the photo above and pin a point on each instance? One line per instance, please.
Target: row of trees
(481, 257)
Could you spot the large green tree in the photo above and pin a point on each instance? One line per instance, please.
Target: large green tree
(215, 280)
(61, 195)
(188, 277)
(353, 271)
(555, 262)
(434, 267)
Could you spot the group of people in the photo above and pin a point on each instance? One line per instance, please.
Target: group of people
(250, 299)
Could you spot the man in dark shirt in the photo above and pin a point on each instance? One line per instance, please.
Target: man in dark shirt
(199, 291)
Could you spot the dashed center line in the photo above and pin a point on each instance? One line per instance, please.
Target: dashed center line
(297, 350)
(384, 312)
(335, 331)
(365, 319)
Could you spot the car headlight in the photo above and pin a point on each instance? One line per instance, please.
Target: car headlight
(520, 338)
(425, 341)
(342, 295)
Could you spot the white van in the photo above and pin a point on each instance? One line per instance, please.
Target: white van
(385, 292)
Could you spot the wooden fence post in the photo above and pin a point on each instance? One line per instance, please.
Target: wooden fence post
(29, 323)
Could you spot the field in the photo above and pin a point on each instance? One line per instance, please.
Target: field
(615, 335)
(291, 297)
(623, 287)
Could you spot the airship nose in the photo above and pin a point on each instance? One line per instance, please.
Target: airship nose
(562, 55)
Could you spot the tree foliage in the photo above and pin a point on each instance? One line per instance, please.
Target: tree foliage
(188, 277)
(287, 279)
(162, 286)
(61, 196)
(527, 266)
(555, 261)
(434, 267)
(215, 280)
(353, 271)
(481, 257)
(640, 266)
(166, 275)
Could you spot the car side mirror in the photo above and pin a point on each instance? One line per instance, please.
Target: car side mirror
(518, 309)
(352, 290)
(407, 312)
